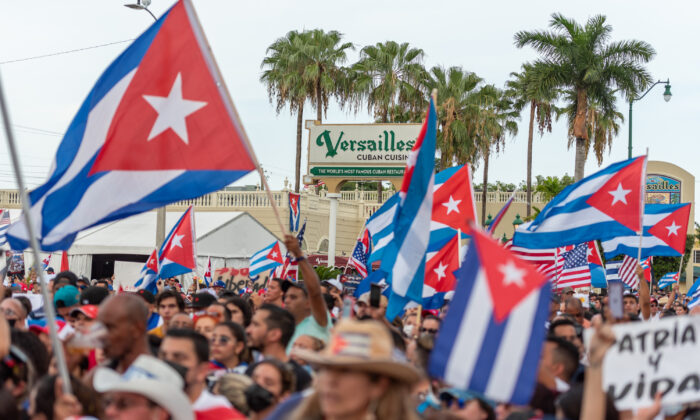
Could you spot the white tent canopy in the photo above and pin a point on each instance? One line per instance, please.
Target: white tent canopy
(229, 238)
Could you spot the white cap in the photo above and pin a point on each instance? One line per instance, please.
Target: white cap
(336, 283)
(151, 378)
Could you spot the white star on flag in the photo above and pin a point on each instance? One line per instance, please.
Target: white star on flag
(452, 205)
(673, 228)
(274, 254)
(619, 194)
(172, 111)
(176, 241)
(440, 271)
(512, 274)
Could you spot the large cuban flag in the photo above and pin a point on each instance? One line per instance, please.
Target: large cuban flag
(491, 339)
(157, 127)
(601, 206)
(404, 257)
(665, 230)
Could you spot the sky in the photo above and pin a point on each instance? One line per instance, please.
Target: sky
(45, 93)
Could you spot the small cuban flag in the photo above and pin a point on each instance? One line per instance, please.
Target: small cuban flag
(294, 211)
(207, 274)
(668, 279)
(491, 339)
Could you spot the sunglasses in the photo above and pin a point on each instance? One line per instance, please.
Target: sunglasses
(450, 400)
(428, 330)
(222, 339)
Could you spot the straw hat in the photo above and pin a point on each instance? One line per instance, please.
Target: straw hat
(362, 346)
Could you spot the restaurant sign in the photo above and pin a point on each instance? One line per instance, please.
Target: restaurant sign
(359, 150)
(661, 189)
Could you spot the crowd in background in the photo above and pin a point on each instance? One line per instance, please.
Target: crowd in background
(300, 350)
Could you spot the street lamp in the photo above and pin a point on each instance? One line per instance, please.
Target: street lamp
(488, 221)
(517, 221)
(667, 97)
(142, 5)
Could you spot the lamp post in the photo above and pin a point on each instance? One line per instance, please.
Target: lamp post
(667, 97)
(517, 222)
(141, 5)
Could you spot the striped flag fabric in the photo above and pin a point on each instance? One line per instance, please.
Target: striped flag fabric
(604, 205)
(546, 261)
(404, 257)
(440, 278)
(499, 216)
(665, 231)
(294, 211)
(178, 253)
(694, 295)
(574, 271)
(289, 268)
(624, 271)
(207, 274)
(361, 254)
(149, 274)
(266, 259)
(45, 262)
(491, 339)
(668, 279)
(4, 225)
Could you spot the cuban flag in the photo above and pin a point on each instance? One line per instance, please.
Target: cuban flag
(439, 274)
(177, 255)
(491, 339)
(694, 295)
(603, 206)
(499, 216)
(294, 211)
(149, 274)
(668, 279)
(45, 262)
(266, 259)
(157, 127)
(4, 226)
(361, 254)
(288, 269)
(207, 274)
(595, 265)
(404, 257)
(665, 231)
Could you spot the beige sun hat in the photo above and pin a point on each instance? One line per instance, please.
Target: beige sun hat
(364, 346)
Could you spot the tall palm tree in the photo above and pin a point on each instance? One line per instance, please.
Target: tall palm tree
(300, 66)
(455, 90)
(522, 90)
(583, 60)
(388, 75)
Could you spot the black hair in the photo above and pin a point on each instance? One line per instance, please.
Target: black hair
(199, 342)
(570, 404)
(239, 334)
(285, 370)
(244, 306)
(8, 406)
(68, 275)
(154, 343)
(227, 311)
(46, 397)
(278, 281)
(26, 303)
(226, 294)
(31, 346)
(329, 300)
(102, 281)
(281, 319)
(566, 353)
(165, 294)
(559, 322)
(433, 317)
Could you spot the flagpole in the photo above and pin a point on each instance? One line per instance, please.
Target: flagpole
(459, 248)
(199, 33)
(48, 302)
(347, 264)
(680, 268)
(641, 213)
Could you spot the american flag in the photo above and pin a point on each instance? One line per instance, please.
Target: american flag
(360, 254)
(625, 271)
(4, 225)
(548, 261)
(574, 271)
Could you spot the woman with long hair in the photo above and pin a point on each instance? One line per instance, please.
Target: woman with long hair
(358, 377)
(228, 348)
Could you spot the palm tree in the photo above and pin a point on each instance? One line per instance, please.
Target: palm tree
(300, 66)
(455, 90)
(496, 119)
(389, 77)
(522, 90)
(583, 61)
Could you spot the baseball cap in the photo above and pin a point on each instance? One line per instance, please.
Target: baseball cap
(202, 300)
(147, 296)
(335, 283)
(288, 284)
(218, 283)
(93, 295)
(66, 296)
(89, 311)
(567, 290)
(364, 298)
(151, 378)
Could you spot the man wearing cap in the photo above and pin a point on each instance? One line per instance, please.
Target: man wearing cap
(149, 390)
(305, 302)
(363, 311)
(66, 299)
(218, 286)
(84, 317)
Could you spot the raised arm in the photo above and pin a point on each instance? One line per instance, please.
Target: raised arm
(311, 280)
(644, 296)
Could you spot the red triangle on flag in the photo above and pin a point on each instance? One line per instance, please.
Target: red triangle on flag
(673, 228)
(439, 270)
(510, 279)
(64, 261)
(173, 115)
(453, 201)
(620, 197)
(152, 263)
(275, 253)
(594, 254)
(180, 246)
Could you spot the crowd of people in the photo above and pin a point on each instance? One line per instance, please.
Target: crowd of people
(301, 350)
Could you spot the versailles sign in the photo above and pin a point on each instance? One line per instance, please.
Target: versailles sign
(359, 150)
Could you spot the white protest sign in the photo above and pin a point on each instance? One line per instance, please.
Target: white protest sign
(651, 357)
